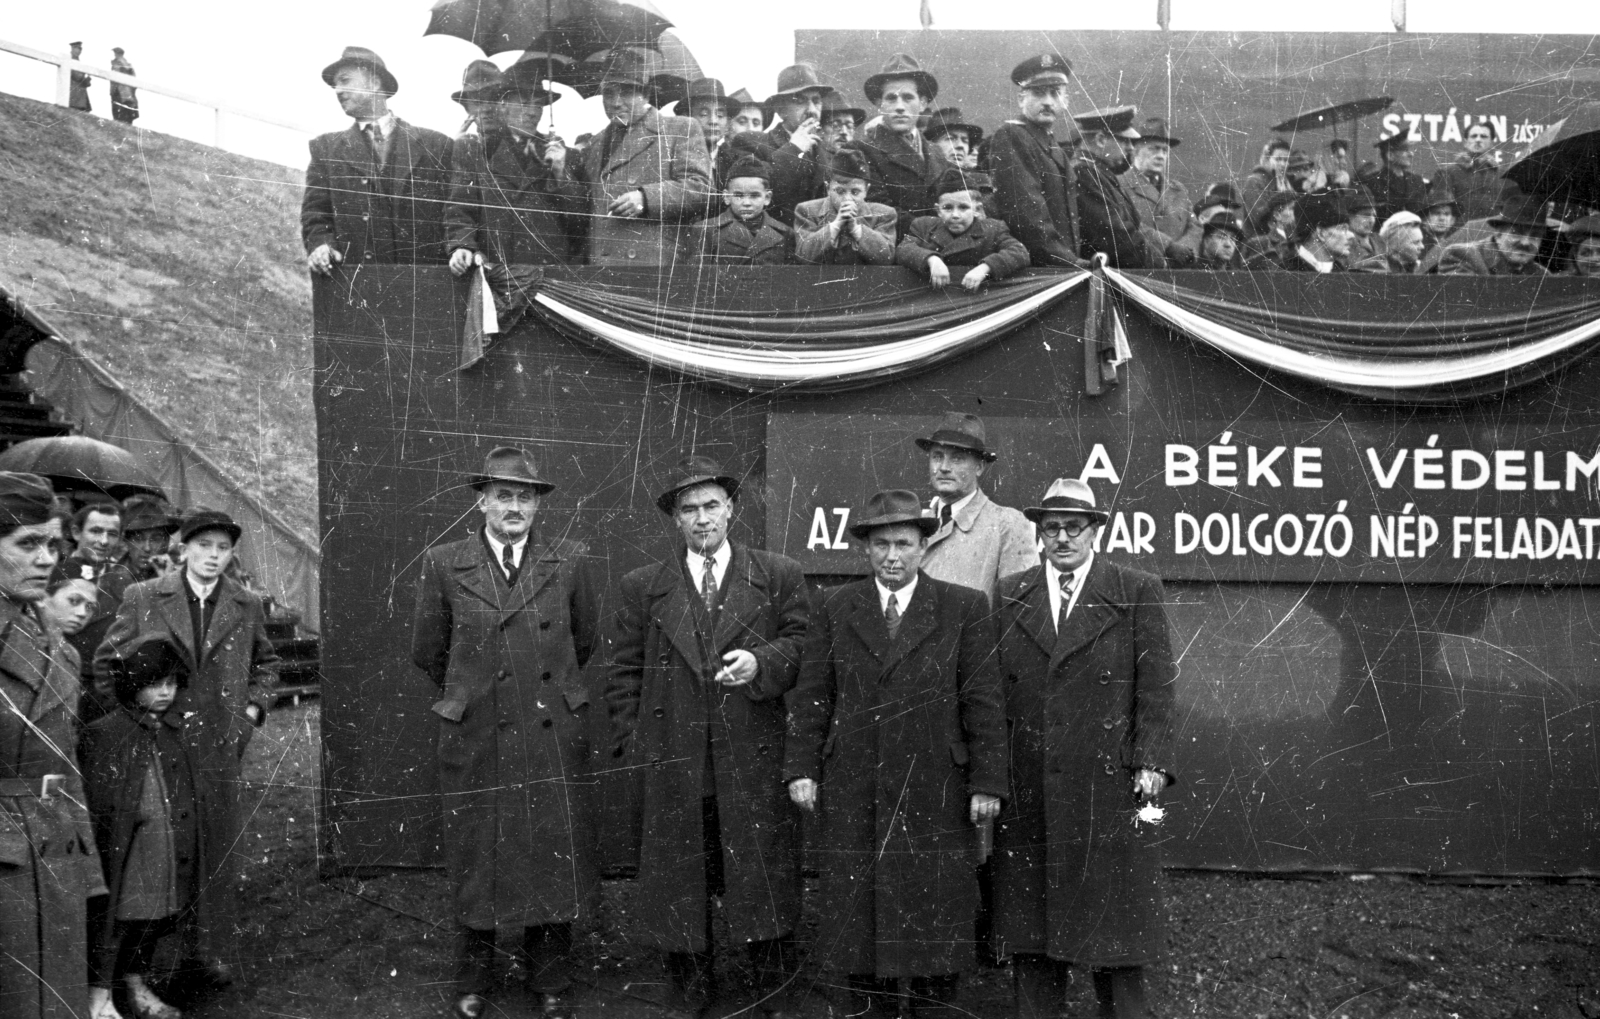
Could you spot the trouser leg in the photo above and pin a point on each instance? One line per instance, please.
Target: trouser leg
(774, 964)
(546, 950)
(1040, 983)
(1119, 992)
(474, 960)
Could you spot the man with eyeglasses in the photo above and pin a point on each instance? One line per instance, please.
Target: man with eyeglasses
(1089, 678)
(904, 165)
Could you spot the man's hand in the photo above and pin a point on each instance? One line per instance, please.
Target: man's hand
(628, 206)
(975, 276)
(555, 155)
(938, 272)
(804, 137)
(984, 808)
(738, 669)
(254, 713)
(1148, 783)
(323, 258)
(803, 792)
(463, 259)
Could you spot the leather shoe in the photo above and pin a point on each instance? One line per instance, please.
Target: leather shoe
(469, 1006)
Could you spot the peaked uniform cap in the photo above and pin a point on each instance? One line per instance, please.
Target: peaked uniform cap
(1067, 495)
(795, 79)
(901, 65)
(513, 465)
(692, 471)
(1044, 69)
(892, 506)
(482, 79)
(360, 56)
(1117, 120)
(1154, 129)
(949, 119)
(963, 431)
(25, 499)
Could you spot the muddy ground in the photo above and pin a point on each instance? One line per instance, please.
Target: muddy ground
(1240, 947)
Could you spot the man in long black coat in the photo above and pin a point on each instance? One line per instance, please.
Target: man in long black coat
(375, 192)
(1089, 681)
(705, 646)
(904, 165)
(799, 150)
(898, 743)
(1394, 187)
(1107, 217)
(1035, 185)
(504, 624)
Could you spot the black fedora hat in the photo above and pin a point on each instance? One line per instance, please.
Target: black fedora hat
(692, 471)
(702, 89)
(513, 465)
(949, 119)
(1224, 193)
(892, 506)
(835, 104)
(146, 513)
(201, 519)
(1521, 211)
(901, 65)
(482, 79)
(360, 56)
(1067, 495)
(795, 79)
(963, 431)
(526, 78)
(1154, 129)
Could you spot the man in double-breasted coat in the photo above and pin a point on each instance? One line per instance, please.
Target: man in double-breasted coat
(897, 741)
(647, 174)
(705, 646)
(1088, 673)
(220, 629)
(48, 864)
(1035, 182)
(504, 624)
(376, 191)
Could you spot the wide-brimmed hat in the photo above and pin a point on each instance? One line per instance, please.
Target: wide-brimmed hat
(963, 431)
(1398, 140)
(145, 662)
(1319, 210)
(742, 98)
(1221, 193)
(1520, 210)
(1224, 221)
(626, 67)
(692, 471)
(1067, 495)
(795, 79)
(512, 465)
(201, 519)
(1357, 198)
(482, 79)
(1154, 129)
(526, 77)
(892, 506)
(834, 103)
(360, 56)
(849, 161)
(949, 119)
(1115, 120)
(901, 65)
(702, 89)
(1441, 193)
(1044, 69)
(146, 513)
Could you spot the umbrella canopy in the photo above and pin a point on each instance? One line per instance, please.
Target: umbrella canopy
(667, 58)
(76, 463)
(500, 26)
(1338, 113)
(1563, 163)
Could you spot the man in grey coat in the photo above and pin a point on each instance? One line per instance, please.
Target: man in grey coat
(978, 541)
(504, 624)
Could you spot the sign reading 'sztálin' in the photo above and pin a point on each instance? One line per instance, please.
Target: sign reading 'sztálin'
(1238, 501)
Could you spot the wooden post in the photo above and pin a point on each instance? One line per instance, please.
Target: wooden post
(64, 83)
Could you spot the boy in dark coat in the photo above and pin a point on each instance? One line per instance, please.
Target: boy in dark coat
(745, 233)
(142, 781)
(958, 235)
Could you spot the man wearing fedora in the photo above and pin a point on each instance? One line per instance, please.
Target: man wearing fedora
(955, 138)
(904, 164)
(840, 120)
(1089, 676)
(1035, 183)
(1321, 240)
(647, 174)
(704, 648)
(1218, 211)
(844, 228)
(1162, 201)
(713, 109)
(1394, 187)
(1512, 250)
(511, 199)
(1107, 216)
(975, 541)
(375, 192)
(897, 743)
(800, 151)
(481, 84)
(504, 624)
(219, 626)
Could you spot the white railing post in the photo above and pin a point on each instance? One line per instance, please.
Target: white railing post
(63, 84)
(220, 118)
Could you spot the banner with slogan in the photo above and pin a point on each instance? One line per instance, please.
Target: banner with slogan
(1419, 501)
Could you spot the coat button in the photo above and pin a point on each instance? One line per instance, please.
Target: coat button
(661, 712)
(545, 676)
(1110, 770)
(502, 675)
(364, 180)
(544, 624)
(1106, 723)
(632, 253)
(665, 659)
(1105, 681)
(507, 724)
(547, 723)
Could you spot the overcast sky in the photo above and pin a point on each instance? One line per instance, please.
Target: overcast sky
(268, 56)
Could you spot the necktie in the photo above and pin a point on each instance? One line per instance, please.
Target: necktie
(1065, 584)
(375, 135)
(944, 513)
(891, 616)
(509, 560)
(1155, 178)
(708, 585)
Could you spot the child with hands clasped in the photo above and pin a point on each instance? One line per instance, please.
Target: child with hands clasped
(960, 235)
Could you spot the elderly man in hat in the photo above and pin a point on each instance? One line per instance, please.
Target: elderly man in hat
(1393, 186)
(1321, 240)
(511, 199)
(220, 628)
(844, 228)
(840, 121)
(955, 138)
(1163, 202)
(1035, 184)
(1109, 221)
(705, 647)
(482, 83)
(375, 192)
(50, 868)
(1519, 231)
(903, 162)
(647, 173)
(800, 153)
(504, 624)
(897, 744)
(1221, 204)
(975, 540)
(1085, 650)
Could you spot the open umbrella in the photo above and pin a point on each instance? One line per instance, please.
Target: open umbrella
(667, 61)
(1563, 163)
(77, 463)
(1350, 111)
(500, 26)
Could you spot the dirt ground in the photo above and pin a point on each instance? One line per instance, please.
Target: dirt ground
(1240, 947)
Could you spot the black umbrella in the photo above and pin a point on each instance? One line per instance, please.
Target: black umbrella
(76, 463)
(500, 26)
(1349, 111)
(1563, 163)
(664, 60)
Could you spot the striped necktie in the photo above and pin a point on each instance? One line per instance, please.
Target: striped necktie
(708, 585)
(1065, 583)
(891, 615)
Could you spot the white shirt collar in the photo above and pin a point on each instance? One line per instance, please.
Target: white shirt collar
(719, 562)
(385, 122)
(902, 597)
(1053, 580)
(1320, 265)
(955, 507)
(499, 549)
(201, 591)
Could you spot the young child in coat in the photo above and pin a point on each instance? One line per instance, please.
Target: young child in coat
(960, 235)
(745, 234)
(844, 228)
(142, 782)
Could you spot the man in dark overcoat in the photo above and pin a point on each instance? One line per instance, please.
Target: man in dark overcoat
(504, 624)
(1088, 672)
(511, 200)
(1107, 218)
(220, 628)
(800, 150)
(903, 164)
(705, 646)
(376, 191)
(1394, 187)
(1035, 184)
(898, 743)
(78, 83)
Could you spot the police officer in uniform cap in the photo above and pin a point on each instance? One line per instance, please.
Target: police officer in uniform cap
(1109, 220)
(1394, 187)
(1035, 183)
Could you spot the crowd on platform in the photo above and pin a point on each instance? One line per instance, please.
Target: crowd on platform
(134, 667)
(803, 176)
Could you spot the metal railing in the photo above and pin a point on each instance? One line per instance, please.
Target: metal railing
(65, 65)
